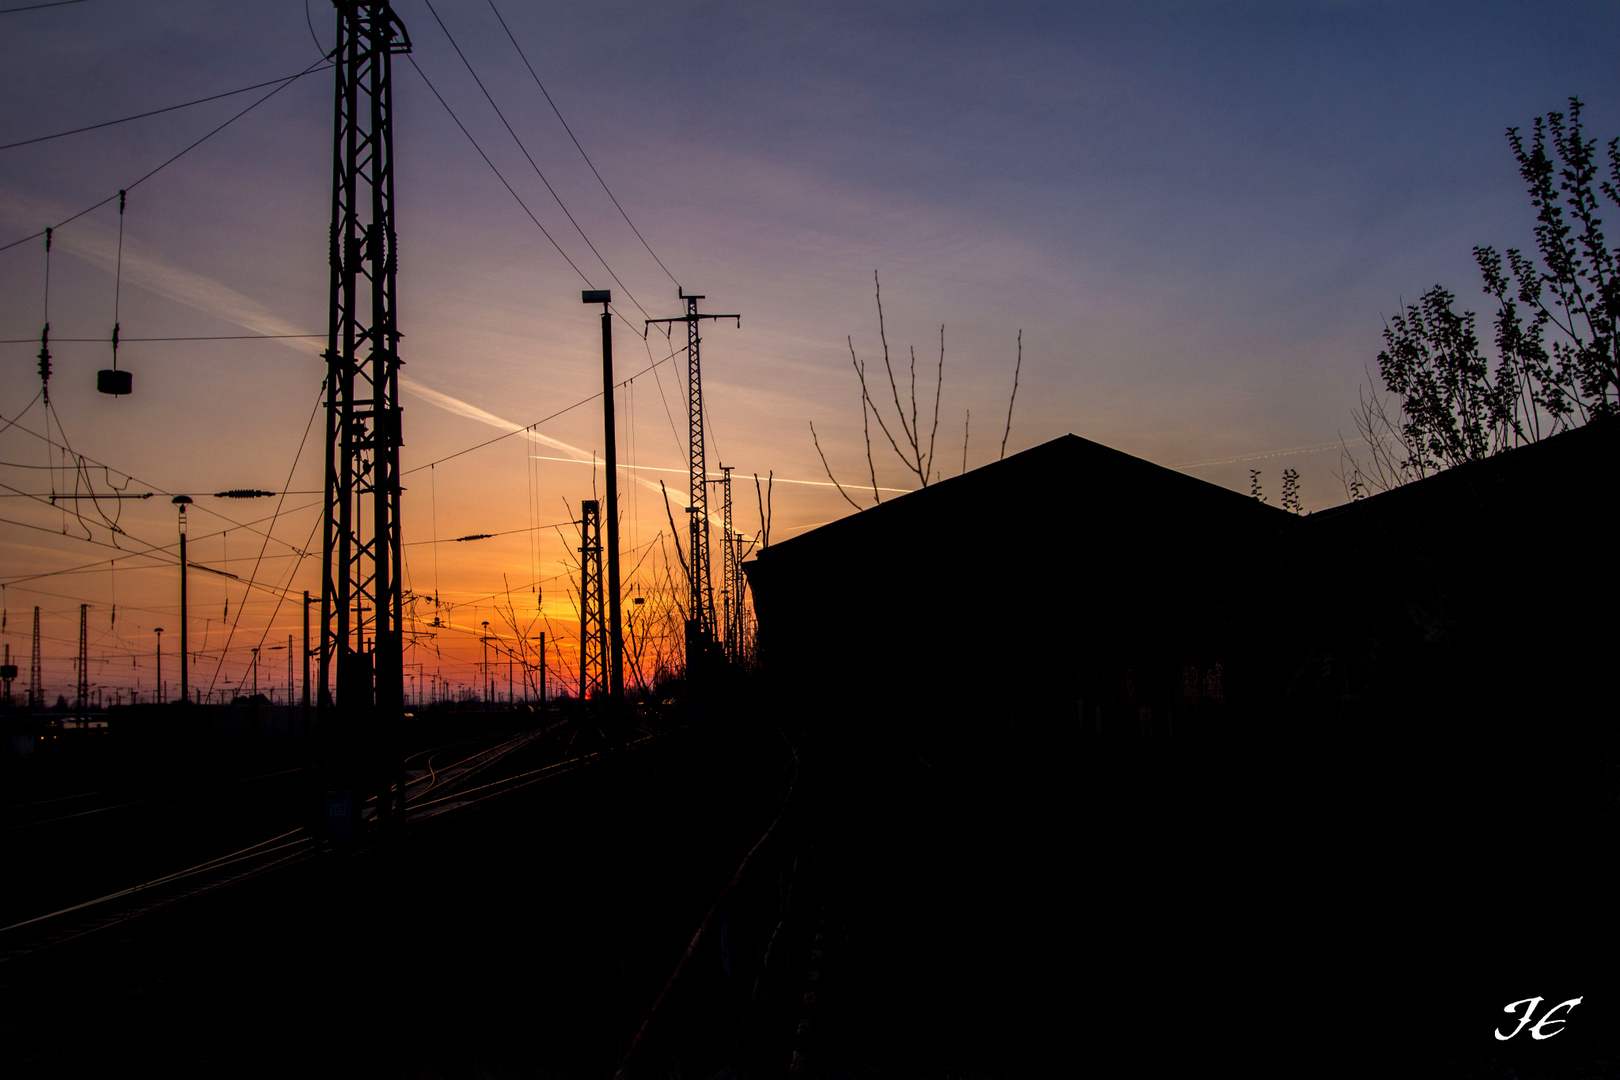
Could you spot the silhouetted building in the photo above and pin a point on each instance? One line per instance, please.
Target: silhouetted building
(1069, 587)
(1476, 602)
(1094, 741)
(1074, 587)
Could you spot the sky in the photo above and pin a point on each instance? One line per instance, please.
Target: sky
(1190, 220)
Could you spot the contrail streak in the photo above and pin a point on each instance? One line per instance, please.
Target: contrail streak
(1259, 456)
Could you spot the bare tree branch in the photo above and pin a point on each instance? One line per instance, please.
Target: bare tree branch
(866, 398)
(866, 427)
(1019, 367)
(894, 387)
(824, 465)
(914, 430)
(919, 462)
(764, 512)
(674, 534)
(966, 421)
(939, 382)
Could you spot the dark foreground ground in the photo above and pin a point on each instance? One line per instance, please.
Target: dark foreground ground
(525, 940)
(1290, 911)
(996, 911)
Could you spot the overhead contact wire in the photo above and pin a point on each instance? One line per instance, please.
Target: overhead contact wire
(144, 115)
(131, 187)
(581, 149)
(527, 156)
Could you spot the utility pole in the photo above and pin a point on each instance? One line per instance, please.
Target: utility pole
(8, 672)
(183, 501)
(361, 543)
(306, 662)
(36, 684)
(700, 592)
(36, 687)
(614, 628)
(484, 690)
(157, 691)
(592, 634)
(83, 704)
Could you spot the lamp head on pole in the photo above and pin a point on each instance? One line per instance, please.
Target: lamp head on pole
(596, 296)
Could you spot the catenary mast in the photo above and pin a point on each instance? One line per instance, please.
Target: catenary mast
(361, 648)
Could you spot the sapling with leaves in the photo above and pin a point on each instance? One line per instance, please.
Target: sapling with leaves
(1557, 330)
(1290, 492)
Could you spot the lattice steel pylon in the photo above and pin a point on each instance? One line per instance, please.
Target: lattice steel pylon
(361, 601)
(700, 592)
(730, 596)
(82, 704)
(36, 682)
(592, 628)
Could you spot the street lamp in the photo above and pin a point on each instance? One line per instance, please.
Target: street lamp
(615, 635)
(484, 690)
(183, 501)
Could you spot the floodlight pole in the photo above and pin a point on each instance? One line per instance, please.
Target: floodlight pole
(615, 630)
(182, 501)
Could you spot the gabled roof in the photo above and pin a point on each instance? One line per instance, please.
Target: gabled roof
(1068, 478)
(1555, 475)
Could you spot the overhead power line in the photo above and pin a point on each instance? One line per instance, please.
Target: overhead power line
(154, 112)
(530, 158)
(580, 148)
(496, 171)
(127, 340)
(85, 459)
(36, 7)
(542, 420)
(322, 63)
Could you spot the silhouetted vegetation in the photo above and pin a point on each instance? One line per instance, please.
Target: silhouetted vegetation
(1557, 361)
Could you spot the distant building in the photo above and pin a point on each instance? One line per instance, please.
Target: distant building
(1073, 588)
(1077, 722)
(1069, 587)
(1477, 601)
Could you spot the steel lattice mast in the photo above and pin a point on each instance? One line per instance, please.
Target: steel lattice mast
(36, 684)
(360, 592)
(700, 593)
(728, 576)
(592, 630)
(83, 703)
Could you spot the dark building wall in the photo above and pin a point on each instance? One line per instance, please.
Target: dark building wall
(1477, 600)
(1007, 596)
(1475, 604)
(1428, 669)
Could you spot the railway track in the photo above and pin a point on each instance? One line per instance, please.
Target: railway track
(434, 787)
(24, 817)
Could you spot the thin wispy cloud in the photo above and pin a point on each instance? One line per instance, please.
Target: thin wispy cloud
(98, 245)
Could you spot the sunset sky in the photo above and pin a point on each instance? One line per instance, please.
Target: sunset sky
(1198, 215)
